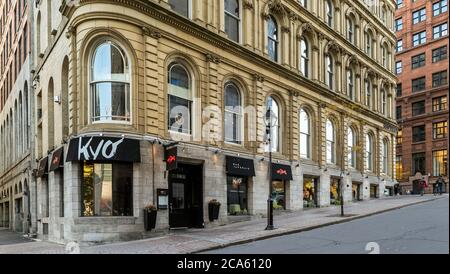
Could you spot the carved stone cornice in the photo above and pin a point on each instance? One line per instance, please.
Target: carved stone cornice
(152, 32)
(212, 58)
(293, 93)
(257, 77)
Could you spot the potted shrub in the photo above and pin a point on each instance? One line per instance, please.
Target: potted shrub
(213, 210)
(150, 217)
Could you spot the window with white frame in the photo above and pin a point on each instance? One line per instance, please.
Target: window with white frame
(350, 84)
(233, 19)
(331, 142)
(110, 84)
(369, 44)
(305, 135)
(181, 6)
(329, 12)
(180, 99)
(385, 156)
(350, 30)
(368, 85)
(369, 152)
(273, 39)
(233, 114)
(304, 58)
(329, 79)
(351, 146)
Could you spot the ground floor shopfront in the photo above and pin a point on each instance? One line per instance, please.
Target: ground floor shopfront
(95, 189)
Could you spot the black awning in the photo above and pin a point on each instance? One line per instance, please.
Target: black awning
(43, 167)
(240, 166)
(104, 149)
(57, 159)
(281, 172)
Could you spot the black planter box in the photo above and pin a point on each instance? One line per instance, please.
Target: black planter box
(149, 219)
(213, 210)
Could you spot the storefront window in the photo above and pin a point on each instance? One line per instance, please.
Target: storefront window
(278, 195)
(309, 193)
(107, 189)
(373, 191)
(237, 195)
(335, 197)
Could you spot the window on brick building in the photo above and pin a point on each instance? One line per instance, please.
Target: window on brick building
(418, 61)
(418, 161)
(419, 134)
(440, 54)
(440, 130)
(440, 103)
(440, 158)
(439, 78)
(418, 84)
(418, 108)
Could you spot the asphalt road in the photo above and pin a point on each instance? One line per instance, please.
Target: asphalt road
(418, 229)
(9, 237)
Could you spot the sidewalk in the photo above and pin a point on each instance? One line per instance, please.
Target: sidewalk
(197, 240)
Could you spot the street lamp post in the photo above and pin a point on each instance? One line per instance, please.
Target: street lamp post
(270, 121)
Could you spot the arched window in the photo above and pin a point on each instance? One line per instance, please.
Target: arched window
(351, 146)
(180, 99)
(383, 102)
(369, 152)
(21, 133)
(233, 114)
(49, 22)
(305, 135)
(369, 43)
(110, 84)
(350, 84)
(26, 107)
(304, 59)
(182, 7)
(272, 32)
(331, 142)
(384, 56)
(350, 30)
(330, 71)
(329, 12)
(274, 108)
(233, 19)
(38, 34)
(368, 93)
(385, 156)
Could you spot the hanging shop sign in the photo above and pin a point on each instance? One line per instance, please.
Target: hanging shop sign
(43, 167)
(171, 158)
(240, 166)
(57, 159)
(104, 149)
(281, 172)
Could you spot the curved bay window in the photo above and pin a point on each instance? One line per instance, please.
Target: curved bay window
(107, 189)
(233, 114)
(331, 142)
(304, 59)
(305, 135)
(110, 84)
(274, 129)
(272, 36)
(180, 99)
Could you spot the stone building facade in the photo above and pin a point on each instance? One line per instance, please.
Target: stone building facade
(422, 95)
(15, 116)
(120, 83)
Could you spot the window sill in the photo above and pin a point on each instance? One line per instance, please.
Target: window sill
(105, 220)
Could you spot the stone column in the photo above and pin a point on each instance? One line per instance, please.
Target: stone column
(315, 73)
(248, 25)
(285, 44)
(197, 11)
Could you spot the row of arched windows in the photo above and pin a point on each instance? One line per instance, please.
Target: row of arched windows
(14, 131)
(18, 189)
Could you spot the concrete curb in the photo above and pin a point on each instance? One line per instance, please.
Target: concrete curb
(294, 231)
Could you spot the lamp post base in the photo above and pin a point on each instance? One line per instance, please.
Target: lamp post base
(270, 214)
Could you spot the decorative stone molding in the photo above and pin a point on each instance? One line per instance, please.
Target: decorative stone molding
(70, 31)
(152, 32)
(212, 58)
(258, 77)
(285, 29)
(248, 4)
(293, 93)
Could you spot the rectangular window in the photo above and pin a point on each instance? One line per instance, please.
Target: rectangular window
(107, 189)
(180, 6)
(440, 130)
(419, 134)
(399, 24)
(399, 112)
(418, 61)
(418, 108)
(419, 16)
(399, 137)
(440, 54)
(418, 84)
(399, 47)
(419, 38)
(440, 7)
(399, 90)
(440, 31)
(398, 67)
(440, 162)
(399, 168)
(418, 161)
(232, 19)
(237, 189)
(439, 79)
(440, 103)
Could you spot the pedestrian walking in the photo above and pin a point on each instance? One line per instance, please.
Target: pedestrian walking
(440, 184)
(422, 185)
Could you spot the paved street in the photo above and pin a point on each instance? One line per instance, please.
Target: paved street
(422, 223)
(422, 228)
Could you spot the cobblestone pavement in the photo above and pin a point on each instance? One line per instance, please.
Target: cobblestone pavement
(197, 240)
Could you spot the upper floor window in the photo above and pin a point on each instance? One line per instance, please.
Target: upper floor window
(440, 54)
(329, 12)
(399, 3)
(384, 56)
(418, 84)
(418, 61)
(233, 114)
(419, 38)
(440, 31)
(440, 7)
(368, 93)
(305, 135)
(182, 7)
(351, 144)
(440, 103)
(399, 90)
(399, 24)
(369, 152)
(330, 71)
(398, 67)
(304, 3)
(272, 30)
(383, 102)
(273, 107)
(233, 19)
(439, 78)
(399, 47)
(331, 142)
(419, 15)
(350, 84)
(369, 41)
(419, 134)
(385, 156)
(110, 84)
(180, 99)
(304, 59)
(350, 30)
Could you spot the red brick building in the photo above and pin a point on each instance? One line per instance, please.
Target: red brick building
(422, 92)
